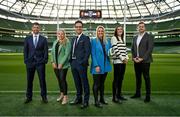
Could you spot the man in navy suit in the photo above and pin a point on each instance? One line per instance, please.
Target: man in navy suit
(35, 58)
(79, 63)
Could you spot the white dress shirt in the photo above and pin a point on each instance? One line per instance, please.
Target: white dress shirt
(34, 38)
(140, 36)
(74, 44)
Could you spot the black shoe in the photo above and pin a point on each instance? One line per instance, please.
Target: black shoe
(44, 100)
(147, 99)
(98, 105)
(136, 96)
(122, 98)
(76, 101)
(103, 102)
(28, 100)
(84, 105)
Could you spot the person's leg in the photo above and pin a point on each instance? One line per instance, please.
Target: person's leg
(63, 73)
(41, 73)
(138, 72)
(78, 84)
(122, 68)
(102, 81)
(115, 81)
(56, 71)
(96, 87)
(85, 83)
(30, 78)
(145, 70)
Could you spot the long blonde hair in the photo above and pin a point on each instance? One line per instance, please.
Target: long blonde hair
(65, 38)
(104, 36)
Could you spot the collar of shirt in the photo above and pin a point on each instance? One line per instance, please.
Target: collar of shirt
(141, 34)
(79, 37)
(35, 35)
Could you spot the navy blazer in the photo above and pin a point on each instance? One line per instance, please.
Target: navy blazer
(38, 55)
(82, 50)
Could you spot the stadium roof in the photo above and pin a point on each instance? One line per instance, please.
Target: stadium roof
(69, 9)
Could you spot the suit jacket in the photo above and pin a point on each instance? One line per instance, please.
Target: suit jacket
(63, 54)
(38, 55)
(97, 56)
(145, 48)
(82, 51)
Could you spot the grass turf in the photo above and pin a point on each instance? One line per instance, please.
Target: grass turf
(165, 79)
(161, 105)
(165, 75)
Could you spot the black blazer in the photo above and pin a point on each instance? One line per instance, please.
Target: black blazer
(38, 55)
(145, 48)
(82, 50)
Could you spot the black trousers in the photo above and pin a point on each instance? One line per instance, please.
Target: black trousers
(119, 70)
(30, 77)
(142, 69)
(61, 77)
(98, 86)
(81, 82)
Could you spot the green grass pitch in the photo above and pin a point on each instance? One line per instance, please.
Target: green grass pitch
(165, 80)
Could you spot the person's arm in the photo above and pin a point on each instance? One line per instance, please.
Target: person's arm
(87, 47)
(93, 56)
(52, 53)
(93, 53)
(25, 51)
(111, 52)
(67, 53)
(150, 47)
(132, 48)
(127, 57)
(116, 50)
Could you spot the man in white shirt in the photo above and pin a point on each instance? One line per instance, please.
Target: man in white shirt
(142, 48)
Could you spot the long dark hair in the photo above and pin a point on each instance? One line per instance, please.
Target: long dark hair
(116, 35)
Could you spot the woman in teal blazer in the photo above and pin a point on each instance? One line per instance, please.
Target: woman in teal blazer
(100, 65)
(60, 55)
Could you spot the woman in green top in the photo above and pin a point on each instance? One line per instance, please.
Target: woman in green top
(60, 55)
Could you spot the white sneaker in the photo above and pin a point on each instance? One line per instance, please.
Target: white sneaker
(60, 98)
(65, 100)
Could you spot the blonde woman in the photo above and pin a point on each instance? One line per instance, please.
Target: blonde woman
(100, 65)
(60, 62)
(119, 58)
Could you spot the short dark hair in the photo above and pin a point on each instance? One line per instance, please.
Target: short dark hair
(35, 23)
(78, 21)
(141, 22)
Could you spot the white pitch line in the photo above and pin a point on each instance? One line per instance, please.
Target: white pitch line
(107, 92)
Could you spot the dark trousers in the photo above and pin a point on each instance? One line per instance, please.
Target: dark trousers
(30, 77)
(142, 68)
(81, 82)
(98, 86)
(61, 77)
(119, 70)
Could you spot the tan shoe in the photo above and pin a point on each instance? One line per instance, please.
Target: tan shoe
(60, 98)
(65, 100)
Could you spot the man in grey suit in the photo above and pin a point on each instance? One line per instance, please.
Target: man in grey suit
(142, 48)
